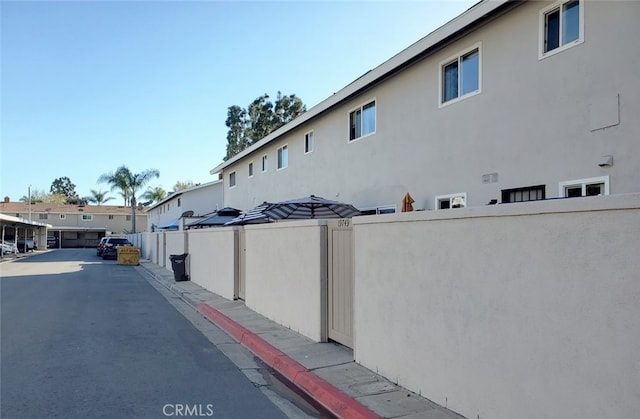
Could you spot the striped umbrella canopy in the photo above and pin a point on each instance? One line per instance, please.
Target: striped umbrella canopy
(310, 207)
(253, 216)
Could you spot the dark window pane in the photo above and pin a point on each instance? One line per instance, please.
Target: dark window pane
(594, 190)
(574, 192)
(450, 82)
(445, 204)
(552, 31)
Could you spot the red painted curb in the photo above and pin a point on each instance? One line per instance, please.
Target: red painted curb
(328, 396)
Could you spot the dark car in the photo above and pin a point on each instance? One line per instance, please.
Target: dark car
(52, 242)
(100, 246)
(26, 245)
(110, 248)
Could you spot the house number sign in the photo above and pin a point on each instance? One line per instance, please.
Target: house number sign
(344, 222)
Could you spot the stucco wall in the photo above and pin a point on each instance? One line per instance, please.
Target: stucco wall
(176, 244)
(509, 311)
(213, 259)
(286, 274)
(531, 124)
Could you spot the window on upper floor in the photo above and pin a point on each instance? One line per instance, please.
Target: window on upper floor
(561, 26)
(63, 216)
(87, 217)
(308, 142)
(111, 217)
(128, 218)
(460, 75)
(584, 187)
(387, 209)
(362, 121)
(179, 202)
(250, 169)
(264, 163)
(529, 193)
(456, 200)
(232, 179)
(283, 157)
(43, 216)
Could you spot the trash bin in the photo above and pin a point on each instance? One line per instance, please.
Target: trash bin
(128, 255)
(178, 263)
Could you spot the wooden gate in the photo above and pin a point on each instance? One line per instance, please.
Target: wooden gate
(340, 272)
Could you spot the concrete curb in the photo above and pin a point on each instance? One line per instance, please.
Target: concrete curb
(327, 395)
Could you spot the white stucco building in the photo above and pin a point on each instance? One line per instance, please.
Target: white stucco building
(509, 102)
(198, 200)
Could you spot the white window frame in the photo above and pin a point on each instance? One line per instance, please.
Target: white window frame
(264, 163)
(451, 59)
(282, 157)
(110, 217)
(542, 32)
(63, 216)
(250, 169)
(361, 109)
(308, 145)
(87, 217)
(583, 183)
(232, 180)
(449, 197)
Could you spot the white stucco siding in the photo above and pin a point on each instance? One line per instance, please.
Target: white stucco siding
(514, 311)
(532, 123)
(212, 260)
(286, 274)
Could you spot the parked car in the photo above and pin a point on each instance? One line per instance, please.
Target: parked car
(52, 242)
(9, 248)
(26, 245)
(110, 248)
(100, 246)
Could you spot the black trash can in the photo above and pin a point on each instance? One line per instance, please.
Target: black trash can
(179, 267)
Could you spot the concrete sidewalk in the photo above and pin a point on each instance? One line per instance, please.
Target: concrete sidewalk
(325, 372)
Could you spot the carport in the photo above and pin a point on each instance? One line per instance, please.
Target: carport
(14, 228)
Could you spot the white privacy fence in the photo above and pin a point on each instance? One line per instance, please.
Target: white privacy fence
(519, 310)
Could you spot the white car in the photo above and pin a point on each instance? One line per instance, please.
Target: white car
(9, 248)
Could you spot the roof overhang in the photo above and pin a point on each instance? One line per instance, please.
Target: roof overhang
(10, 220)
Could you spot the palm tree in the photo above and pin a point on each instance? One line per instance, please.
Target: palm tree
(156, 194)
(118, 180)
(98, 197)
(129, 183)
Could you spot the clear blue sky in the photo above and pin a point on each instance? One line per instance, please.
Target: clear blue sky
(87, 86)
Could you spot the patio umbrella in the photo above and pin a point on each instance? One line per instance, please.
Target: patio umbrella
(407, 203)
(253, 216)
(218, 219)
(310, 207)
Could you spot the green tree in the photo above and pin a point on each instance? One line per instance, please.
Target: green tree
(180, 186)
(98, 197)
(237, 124)
(261, 118)
(129, 183)
(156, 194)
(37, 195)
(118, 180)
(65, 187)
